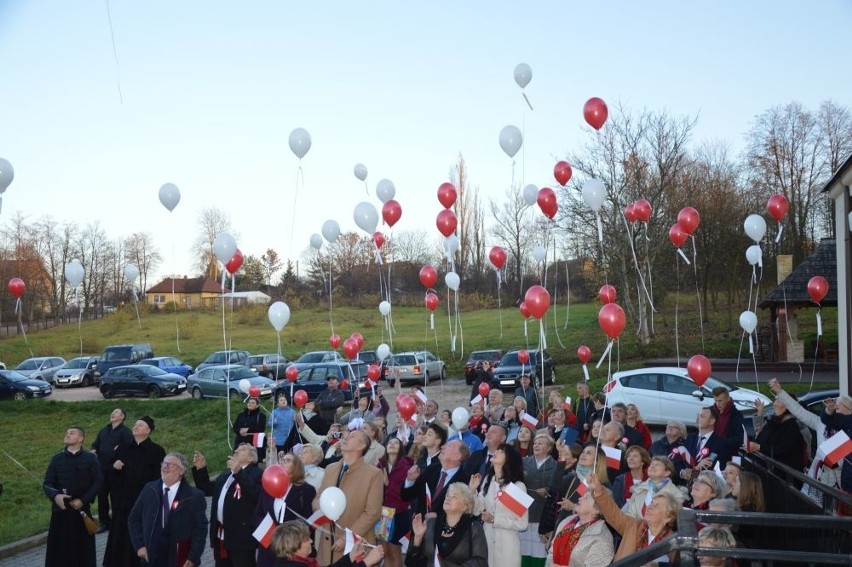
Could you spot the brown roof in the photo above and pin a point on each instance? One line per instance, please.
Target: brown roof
(794, 289)
(186, 285)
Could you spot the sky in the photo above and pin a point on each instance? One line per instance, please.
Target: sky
(102, 102)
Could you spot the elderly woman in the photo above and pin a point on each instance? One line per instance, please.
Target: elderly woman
(717, 538)
(478, 423)
(377, 448)
(454, 538)
(582, 540)
(781, 439)
(658, 523)
(311, 455)
(291, 544)
(567, 487)
(675, 437)
(706, 487)
(660, 473)
(361, 408)
(495, 405)
(538, 470)
(637, 459)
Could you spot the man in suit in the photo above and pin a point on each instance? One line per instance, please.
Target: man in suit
(364, 487)
(235, 494)
(169, 520)
(619, 414)
(479, 460)
(433, 440)
(452, 455)
(704, 446)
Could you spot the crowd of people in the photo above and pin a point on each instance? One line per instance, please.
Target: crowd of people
(576, 483)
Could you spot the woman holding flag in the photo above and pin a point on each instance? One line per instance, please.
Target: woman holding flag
(250, 426)
(582, 540)
(566, 487)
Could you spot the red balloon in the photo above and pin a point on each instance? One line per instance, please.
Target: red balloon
(275, 481)
(431, 301)
(584, 353)
(525, 311)
(334, 340)
(344, 385)
(630, 213)
(234, 263)
(292, 373)
(300, 398)
(595, 112)
(484, 388)
(777, 207)
(16, 287)
(498, 257)
(391, 212)
(688, 218)
(406, 406)
(374, 372)
(699, 369)
(643, 210)
(523, 356)
(562, 172)
(538, 301)
(254, 392)
(428, 276)
(350, 348)
(607, 294)
(446, 222)
(378, 239)
(547, 202)
(447, 195)
(611, 319)
(818, 288)
(677, 235)
(359, 339)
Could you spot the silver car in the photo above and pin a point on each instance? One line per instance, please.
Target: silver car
(40, 367)
(78, 371)
(415, 366)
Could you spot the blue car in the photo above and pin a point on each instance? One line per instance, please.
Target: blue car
(169, 364)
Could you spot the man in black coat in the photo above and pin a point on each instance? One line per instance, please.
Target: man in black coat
(479, 460)
(437, 479)
(235, 494)
(329, 402)
(168, 523)
(114, 434)
(633, 436)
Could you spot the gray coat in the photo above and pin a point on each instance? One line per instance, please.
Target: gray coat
(535, 477)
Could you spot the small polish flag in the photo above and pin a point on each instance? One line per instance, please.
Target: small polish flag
(718, 470)
(317, 519)
(421, 396)
(351, 540)
(529, 421)
(581, 490)
(745, 439)
(613, 457)
(428, 499)
(477, 400)
(257, 439)
(405, 541)
(567, 404)
(684, 454)
(835, 448)
(263, 532)
(515, 499)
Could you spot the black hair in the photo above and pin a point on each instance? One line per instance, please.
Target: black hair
(439, 431)
(513, 469)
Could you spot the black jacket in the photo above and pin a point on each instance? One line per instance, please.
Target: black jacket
(256, 423)
(416, 493)
(141, 466)
(238, 513)
(109, 439)
(77, 474)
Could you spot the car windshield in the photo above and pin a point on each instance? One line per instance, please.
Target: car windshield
(13, 376)
(152, 370)
(404, 360)
(77, 363)
(367, 357)
(483, 355)
(217, 358)
(28, 365)
(712, 383)
(242, 372)
(511, 359)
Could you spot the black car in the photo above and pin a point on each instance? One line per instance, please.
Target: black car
(493, 356)
(141, 380)
(272, 366)
(313, 378)
(16, 386)
(507, 375)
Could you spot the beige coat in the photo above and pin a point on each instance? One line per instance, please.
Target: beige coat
(633, 507)
(504, 542)
(595, 547)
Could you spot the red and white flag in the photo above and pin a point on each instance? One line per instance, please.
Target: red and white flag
(317, 519)
(263, 532)
(567, 404)
(515, 499)
(405, 541)
(613, 457)
(428, 498)
(745, 439)
(529, 421)
(684, 454)
(257, 439)
(477, 400)
(835, 448)
(421, 396)
(581, 490)
(350, 541)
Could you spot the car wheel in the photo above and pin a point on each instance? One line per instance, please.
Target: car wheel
(426, 379)
(443, 373)
(107, 393)
(154, 392)
(234, 395)
(20, 396)
(196, 394)
(87, 381)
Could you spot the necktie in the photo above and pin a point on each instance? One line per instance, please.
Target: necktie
(701, 443)
(441, 481)
(484, 466)
(343, 470)
(166, 509)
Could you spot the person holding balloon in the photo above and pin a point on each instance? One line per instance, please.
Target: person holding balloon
(248, 423)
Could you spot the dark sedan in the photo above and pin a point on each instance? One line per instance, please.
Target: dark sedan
(16, 386)
(141, 380)
(224, 381)
(313, 378)
(507, 375)
(169, 364)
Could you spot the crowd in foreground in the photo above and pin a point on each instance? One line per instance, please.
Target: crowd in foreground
(529, 483)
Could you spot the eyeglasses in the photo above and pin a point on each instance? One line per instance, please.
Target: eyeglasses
(168, 465)
(287, 460)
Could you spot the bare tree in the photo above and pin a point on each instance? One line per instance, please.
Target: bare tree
(141, 251)
(93, 250)
(212, 221)
(271, 264)
(511, 227)
(407, 246)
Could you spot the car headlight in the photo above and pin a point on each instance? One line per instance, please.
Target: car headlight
(32, 388)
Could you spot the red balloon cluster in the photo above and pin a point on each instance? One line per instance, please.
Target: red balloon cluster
(352, 346)
(562, 172)
(16, 287)
(391, 212)
(431, 301)
(235, 262)
(446, 222)
(688, 218)
(406, 406)
(584, 353)
(378, 239)
(547, 202)
(300, 398)
(595, 112)
(538, 301)
(607, 294)
(777, 207)
(611, 319)
(254, 391)
(523, 356)
(699, 369)
(678, 235)
(275, 481)
(447, 195)
(428, 276)
(334, 340)
(525, 311)
(818, 288)
(498, 257)
(638, 211)
(292, 373)
(359, 339)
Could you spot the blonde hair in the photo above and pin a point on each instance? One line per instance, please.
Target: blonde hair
(464, 493)
(314, 451)
(288, 538)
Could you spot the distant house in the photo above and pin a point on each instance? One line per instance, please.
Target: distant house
(188, 293)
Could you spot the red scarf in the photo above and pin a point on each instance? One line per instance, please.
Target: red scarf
(309, 561)
(566, 539)
(643, 542)
(629, 480)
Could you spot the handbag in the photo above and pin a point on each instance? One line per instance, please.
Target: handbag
(384, 527)
(89, 522)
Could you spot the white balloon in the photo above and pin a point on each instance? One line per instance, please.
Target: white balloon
(300, 142)
(451, 244)
(169, 196)
(748, 321)
(330, 230)
(361, 171)
(460, 418)
(594, 193)
(74, 273)
(753, 254)
(539, 253)
(366, 217)
(530, 194)
(7, 174)
(385, 190)
(245, 385)
(332, 503)
(511, 140)
(755, 227)
(384, 308)
(131, 272)
(452, 280)
(382, 351)
(279, 315)
(316, 241)
(523, 74)
(225, 247)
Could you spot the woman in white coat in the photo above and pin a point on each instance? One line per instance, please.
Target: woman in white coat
(502, 525)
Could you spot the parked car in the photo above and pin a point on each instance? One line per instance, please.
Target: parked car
(16, 386)
(493, 356)
(319, 356)
(664, 393)
(224, 381)
(141, 380)
(507, 375)
(313, 378)
(415, 367)
(40, 367)
(225, 357)
(272, 366)
(121, 355)
(370, 357)
(169, 364)
(78, 371)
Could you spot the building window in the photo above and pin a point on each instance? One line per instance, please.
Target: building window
(159, 298)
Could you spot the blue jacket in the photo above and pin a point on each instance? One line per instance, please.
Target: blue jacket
(282, 424)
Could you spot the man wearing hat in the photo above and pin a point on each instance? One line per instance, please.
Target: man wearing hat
(134, 466)
(329, 402)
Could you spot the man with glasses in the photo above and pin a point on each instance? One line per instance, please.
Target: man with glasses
(168, 523)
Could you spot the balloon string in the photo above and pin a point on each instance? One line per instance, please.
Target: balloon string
(528, 100)
(300, 180)
(174, 298)
(650, 279)
(698, 293)
(114, 54)
(330, 293)
(499, 305)
(136, 305)
(555, 302)
(816, 348)
(787, 326)
(677, 307)
(636, 264)
(224, 336)
(19, 306)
